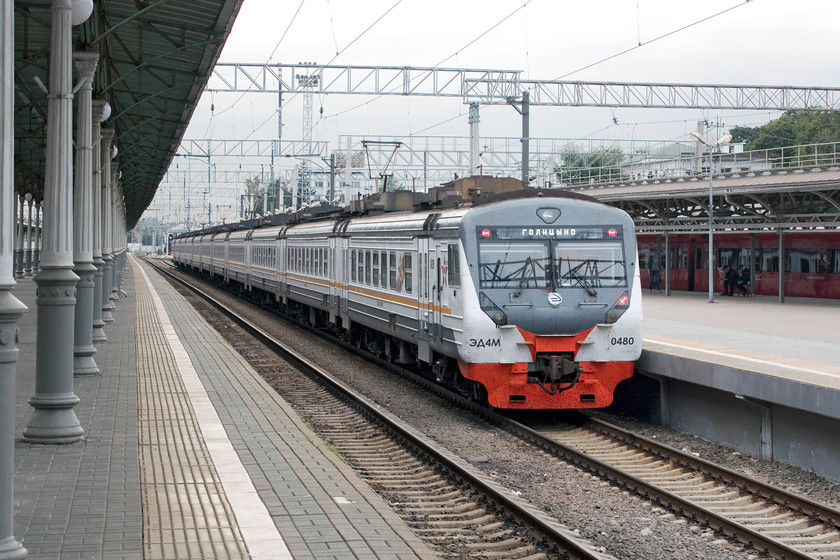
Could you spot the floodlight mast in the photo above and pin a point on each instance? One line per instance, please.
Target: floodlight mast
(725, 139)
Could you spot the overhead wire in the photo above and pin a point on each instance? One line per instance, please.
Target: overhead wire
(613, 56)
(277, 46)
(655, 39)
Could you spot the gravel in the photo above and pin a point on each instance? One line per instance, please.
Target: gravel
(620, 524)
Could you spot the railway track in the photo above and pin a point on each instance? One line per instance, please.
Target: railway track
(453, 509)
(766, 518)
(770, 519)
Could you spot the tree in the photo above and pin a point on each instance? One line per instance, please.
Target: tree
(794, 128)
(580, 168)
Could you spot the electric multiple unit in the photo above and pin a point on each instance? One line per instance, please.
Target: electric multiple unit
(525, 303)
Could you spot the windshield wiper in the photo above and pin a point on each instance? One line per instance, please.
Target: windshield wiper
(573, 273)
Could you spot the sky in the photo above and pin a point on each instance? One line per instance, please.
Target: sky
(756, 42)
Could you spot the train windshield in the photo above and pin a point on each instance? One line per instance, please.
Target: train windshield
(528, 264)
(590, 264)
(514, 264)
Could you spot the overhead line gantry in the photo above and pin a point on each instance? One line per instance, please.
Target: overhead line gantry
(497, 87)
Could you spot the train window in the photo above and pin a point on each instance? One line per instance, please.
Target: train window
(408, 275)
(368, 262)
(454, 270)
(383, 270)
(768, 259)
(353, 265)
(590, 265)
(326, 263)
(361, 269)
(513, 264)
(392, 270)
(732, 257)
(808, 260)
(375, 268)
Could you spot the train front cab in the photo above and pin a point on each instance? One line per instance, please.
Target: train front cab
(521, 312)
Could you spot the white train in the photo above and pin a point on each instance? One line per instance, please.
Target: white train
(525, 303)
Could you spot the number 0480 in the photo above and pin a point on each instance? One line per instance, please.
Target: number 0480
(622, 341)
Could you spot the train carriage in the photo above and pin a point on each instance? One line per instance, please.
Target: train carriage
(263, 251)
(308, 268)
(219, 262)
(810, 261)
(525, 303)
(237, 271)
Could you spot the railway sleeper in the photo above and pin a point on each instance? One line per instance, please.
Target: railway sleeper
(406, 468)
(814, 535)
(483, 524)
(468, 515)
(424, 478)
(758, 510)
(825, 550)
(769, 513)
(742, 504)
(456, 509)
(450, 504)
(423, 493)
(683, 481)
(669, 471)
(711, 495)
(792, 524)
(453, 495)
(424, 485)
(512, 547)
(628, 455)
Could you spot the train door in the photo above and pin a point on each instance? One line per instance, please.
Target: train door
(333, 270)
(437, 278)
(425, 299)
(692, 266)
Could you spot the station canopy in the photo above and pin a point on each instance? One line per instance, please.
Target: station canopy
(155, 57)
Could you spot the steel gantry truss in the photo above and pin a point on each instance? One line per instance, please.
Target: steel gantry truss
(421, 166)
(495, 87)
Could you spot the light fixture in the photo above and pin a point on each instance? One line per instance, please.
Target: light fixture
(548, 215)
(114, 151)
(106, 112)
(81, 10)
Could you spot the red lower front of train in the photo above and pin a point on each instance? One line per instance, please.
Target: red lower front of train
(508, 387)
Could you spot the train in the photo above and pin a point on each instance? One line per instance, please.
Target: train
(519, 298)
(810, 262)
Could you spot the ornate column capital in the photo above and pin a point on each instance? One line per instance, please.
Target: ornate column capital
(85, 63)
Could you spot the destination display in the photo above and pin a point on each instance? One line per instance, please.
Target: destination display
(565, 232)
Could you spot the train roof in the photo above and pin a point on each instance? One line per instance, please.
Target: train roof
(439, 210)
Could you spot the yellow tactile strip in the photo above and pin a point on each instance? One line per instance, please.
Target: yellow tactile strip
(186, 513)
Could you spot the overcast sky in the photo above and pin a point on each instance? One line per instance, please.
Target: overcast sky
(760, 42)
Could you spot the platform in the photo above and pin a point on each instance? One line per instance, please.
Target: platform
(188, 454)
(753, 373)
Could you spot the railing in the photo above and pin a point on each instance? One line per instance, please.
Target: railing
(637, 167)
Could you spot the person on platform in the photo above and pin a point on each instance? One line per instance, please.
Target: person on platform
(743, 282)
(728, 276)
(653, 268)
